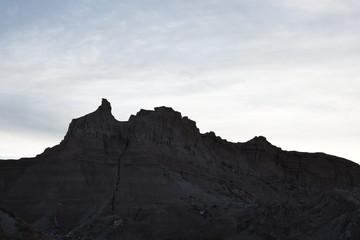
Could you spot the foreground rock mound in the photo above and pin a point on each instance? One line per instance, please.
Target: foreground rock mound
(12, 228)
(157, 177)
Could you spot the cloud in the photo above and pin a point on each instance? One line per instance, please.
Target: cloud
(280, 68)
(321, 6)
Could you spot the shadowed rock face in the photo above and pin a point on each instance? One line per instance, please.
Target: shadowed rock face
(157, 177)
(12, 228)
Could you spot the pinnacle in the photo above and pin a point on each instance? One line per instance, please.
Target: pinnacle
(105, 105)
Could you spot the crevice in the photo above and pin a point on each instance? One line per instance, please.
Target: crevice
(118, 175)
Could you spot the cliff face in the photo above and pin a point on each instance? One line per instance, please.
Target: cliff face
(157, 177)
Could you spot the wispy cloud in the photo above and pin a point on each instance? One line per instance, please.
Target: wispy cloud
(285, 69)
(321, 6)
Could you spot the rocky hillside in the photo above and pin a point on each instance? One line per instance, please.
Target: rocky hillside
(12, 228)
(156, 176)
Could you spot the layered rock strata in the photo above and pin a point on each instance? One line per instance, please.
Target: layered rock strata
(157, 177)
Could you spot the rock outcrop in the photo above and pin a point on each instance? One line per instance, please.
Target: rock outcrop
(12, 228)
(157, 177)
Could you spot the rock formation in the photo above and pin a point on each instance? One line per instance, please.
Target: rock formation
(12, 228)
(157, 177)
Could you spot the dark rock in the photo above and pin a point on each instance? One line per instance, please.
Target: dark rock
(13, 228)
(157, 177)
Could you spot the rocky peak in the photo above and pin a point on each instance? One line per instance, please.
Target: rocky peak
(103, 112)
(160, 112)
(261, 143)
(167, 111)
(163, 124)
(105, 106)
(98, 123)
(164, 115)
(259, 140)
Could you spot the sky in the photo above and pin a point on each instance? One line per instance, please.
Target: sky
(288, 70)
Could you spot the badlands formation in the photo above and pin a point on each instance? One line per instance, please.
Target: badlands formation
(156, 176)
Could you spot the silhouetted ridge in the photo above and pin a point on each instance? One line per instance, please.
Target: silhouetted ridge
(105, 106)
(163, 125)
(98, 123)
(156, 176)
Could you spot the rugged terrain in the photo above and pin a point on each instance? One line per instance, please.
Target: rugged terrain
(156, 176)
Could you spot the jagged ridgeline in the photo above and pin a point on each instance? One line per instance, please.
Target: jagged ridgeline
(156, 176)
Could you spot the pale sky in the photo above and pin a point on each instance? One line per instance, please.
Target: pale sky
(288, 70)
